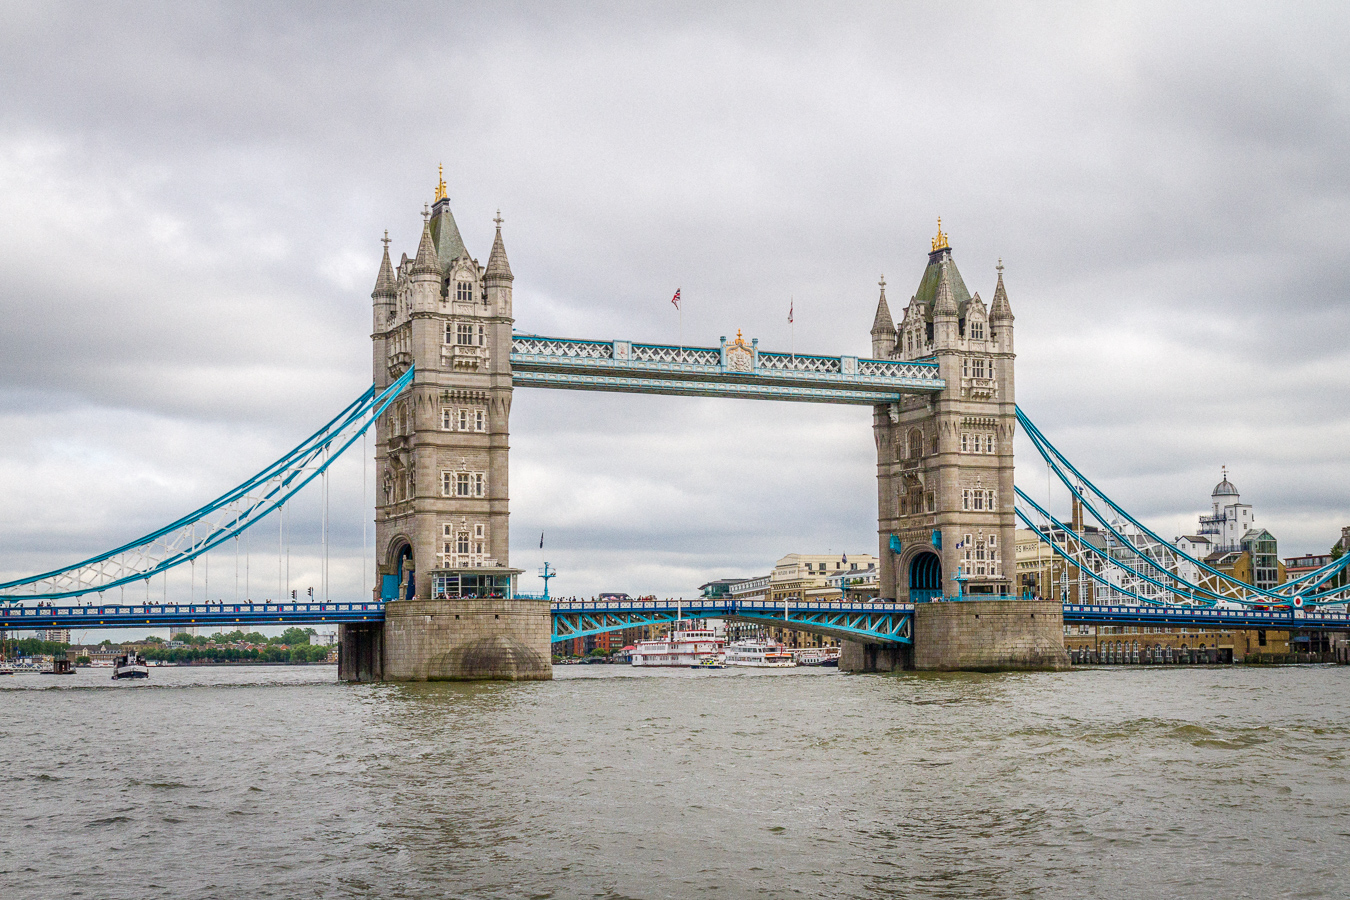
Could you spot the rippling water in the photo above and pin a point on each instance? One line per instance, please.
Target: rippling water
(610, 782)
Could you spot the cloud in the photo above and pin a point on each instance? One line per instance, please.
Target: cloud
(191, 198)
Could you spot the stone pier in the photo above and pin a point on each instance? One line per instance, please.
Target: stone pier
(990, 636)
(467, 640)
(855, 656)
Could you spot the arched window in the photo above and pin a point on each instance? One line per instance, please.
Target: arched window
(915, 444)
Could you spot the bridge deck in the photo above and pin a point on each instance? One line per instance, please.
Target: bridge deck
(161, 615)
(1208, 617)
(885, 621)
(734, 370)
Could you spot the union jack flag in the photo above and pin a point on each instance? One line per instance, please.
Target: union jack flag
(676, 299)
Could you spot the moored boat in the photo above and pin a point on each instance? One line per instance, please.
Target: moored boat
(681, 648)
(818, 656)
(759, 654)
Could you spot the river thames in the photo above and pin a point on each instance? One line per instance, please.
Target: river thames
(614, 783)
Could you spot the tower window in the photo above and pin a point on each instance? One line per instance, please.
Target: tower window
(462, 541)
(447, 419)
(480, 420)
(463, 420)
(463, 292)
(464, 335)
(977, 330)
(965, 442)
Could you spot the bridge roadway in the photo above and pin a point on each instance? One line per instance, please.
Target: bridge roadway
(163, 615)
(872, 622)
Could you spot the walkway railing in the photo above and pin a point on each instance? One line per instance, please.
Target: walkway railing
(735, 369)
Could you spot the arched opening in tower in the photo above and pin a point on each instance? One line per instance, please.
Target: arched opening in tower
(925, 577)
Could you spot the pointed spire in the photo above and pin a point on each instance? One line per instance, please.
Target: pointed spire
(1000, 309)
(498, 269)
(883, 323)
(944, 304)
(426, 261)
(384, 282)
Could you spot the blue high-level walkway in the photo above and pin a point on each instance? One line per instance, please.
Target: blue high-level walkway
(735, 369)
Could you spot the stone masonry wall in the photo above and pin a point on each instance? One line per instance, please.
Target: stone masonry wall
(989, 635)
(467, 640)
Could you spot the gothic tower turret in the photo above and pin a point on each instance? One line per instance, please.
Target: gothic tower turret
(1000, 315)
(883, 329)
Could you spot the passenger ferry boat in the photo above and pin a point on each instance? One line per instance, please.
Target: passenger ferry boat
(760, 655)
(818, 656)
(685, 648)
(130, 665)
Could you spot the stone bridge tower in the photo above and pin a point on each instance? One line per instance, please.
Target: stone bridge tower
(945, 485)
(441, 462)
(945, 461)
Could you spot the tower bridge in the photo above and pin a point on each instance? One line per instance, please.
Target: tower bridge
(446, 360)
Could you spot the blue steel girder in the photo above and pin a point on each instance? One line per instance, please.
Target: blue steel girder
(1208, 617)
(735, 370)
(567, 626)
(167, 615)
(877, 622)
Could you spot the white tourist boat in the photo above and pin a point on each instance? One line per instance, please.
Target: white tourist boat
(759, 654)
(131, 665)
(681, 648)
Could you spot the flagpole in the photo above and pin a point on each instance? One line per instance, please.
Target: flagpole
(792, 329)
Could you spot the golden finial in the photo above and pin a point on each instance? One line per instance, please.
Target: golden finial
(440, 182)
(939, 242)
(740, 341)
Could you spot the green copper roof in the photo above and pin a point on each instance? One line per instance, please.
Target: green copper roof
(927, 291)
(445, 234)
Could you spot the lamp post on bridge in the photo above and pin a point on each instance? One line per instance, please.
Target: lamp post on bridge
(546, 573)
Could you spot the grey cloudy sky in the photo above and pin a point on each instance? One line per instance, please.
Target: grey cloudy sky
(191, 198)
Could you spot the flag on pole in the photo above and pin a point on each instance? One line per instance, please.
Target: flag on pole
(676, 299)
(791, 303)
(541, 540)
